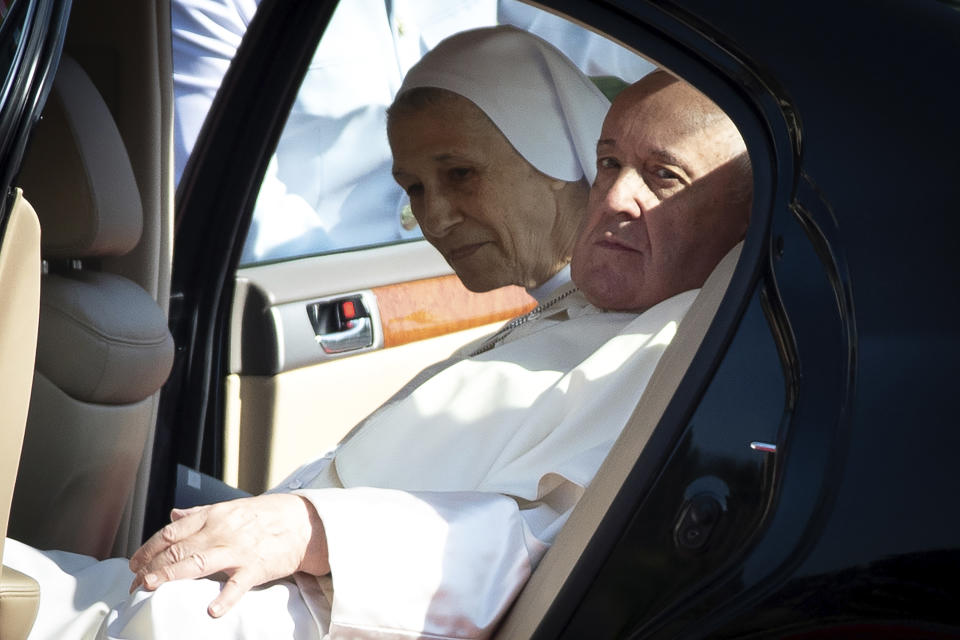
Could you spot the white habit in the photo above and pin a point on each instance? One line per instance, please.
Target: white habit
(436, 510)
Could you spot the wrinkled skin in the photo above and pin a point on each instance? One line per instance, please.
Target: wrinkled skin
(672, 196)
(494, 217)
(251, 540)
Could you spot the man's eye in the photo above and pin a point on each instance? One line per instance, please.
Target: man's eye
(607, 163)
(665, 174)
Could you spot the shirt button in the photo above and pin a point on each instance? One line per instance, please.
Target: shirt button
(294, 484)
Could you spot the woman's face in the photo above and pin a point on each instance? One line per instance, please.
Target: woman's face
(495, 218)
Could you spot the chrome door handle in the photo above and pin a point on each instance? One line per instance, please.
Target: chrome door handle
(342, 324)
(356, 336)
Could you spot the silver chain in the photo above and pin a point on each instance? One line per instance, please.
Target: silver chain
(506, 329)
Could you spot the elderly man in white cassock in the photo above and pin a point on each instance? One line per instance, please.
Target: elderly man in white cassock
(429, 518)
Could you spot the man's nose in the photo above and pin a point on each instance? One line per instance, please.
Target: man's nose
(437, 214)
(628, 194)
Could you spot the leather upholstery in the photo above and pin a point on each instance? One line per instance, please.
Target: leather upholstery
(105, 341)
(104, 348)
(95, 209)
(19, 303)
(19, 601)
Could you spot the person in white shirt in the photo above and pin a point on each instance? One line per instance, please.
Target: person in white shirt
(429, 518)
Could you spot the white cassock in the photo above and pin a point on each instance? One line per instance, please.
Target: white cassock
(435, 511)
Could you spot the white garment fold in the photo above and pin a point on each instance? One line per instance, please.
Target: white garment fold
(451, 555)
(551, 398)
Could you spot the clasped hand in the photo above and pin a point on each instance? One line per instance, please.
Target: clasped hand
(251, 540)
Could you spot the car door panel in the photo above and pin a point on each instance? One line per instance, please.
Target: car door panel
(423, 309)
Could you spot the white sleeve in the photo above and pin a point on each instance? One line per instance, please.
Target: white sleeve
(205, 36)
(437, 564)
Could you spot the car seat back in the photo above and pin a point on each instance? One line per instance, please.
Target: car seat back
(19, 306)
(104, 347)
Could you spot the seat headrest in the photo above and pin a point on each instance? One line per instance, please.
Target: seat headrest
(103, 339)
(78, 175)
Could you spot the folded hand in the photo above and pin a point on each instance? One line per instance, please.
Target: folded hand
(252, 540)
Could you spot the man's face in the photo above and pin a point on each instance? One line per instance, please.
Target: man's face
(491, 214)
(668, 201)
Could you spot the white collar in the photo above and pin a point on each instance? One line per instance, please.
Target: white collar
(555, 281)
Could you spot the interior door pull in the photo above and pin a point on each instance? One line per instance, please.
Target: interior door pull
(341, 325)
(358, 336)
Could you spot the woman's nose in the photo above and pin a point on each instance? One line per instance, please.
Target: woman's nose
(437, 214)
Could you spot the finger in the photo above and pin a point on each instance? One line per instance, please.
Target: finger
(176, 514)
(196, 565)
(159, 569)
(163, 539)
(233, 589)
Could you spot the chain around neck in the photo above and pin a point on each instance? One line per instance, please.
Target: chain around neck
(508, 328)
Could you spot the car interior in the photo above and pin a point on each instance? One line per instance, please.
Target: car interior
(19, 308)
(87, 280)
(104, 347)
(96, 168)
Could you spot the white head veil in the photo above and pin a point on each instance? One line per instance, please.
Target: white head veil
(545, 106)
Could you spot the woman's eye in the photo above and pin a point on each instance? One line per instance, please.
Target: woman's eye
(460, 173)
(607, 163)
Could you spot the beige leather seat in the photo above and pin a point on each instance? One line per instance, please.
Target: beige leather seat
(19, 306)
(104, 347)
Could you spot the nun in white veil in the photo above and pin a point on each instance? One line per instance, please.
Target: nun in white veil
(493, 136)
(435, 512)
